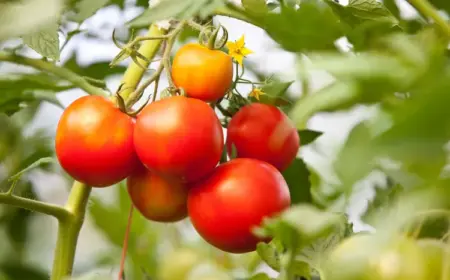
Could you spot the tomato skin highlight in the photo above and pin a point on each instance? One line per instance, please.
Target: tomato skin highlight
(225, 206)
(180, 137)
(263, 132)
(160, 199)
(94, 142)
(203, 73)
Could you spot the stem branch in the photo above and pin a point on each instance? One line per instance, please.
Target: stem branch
(428, 10)
(34, 205)
(54, 69)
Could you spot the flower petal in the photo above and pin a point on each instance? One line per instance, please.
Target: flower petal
(245, 51)
(238, 58)
(241, 42)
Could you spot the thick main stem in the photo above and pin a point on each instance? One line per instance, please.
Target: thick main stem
(69, 228)
(134, 72)
(68, 231)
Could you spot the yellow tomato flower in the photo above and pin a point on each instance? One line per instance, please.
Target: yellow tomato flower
(256, 93)
(237, 50)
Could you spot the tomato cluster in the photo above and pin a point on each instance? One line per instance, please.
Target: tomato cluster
(170, 153)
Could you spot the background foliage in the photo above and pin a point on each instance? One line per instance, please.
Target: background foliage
(376, 58)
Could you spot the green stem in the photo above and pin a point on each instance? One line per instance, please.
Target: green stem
(134, 72)
(33, 205)
(54, 69)
(68, 231)
(428, 10)
(70, 226)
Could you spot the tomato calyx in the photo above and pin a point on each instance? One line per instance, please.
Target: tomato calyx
(208, 37)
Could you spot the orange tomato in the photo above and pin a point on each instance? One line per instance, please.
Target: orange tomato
(160, 199)
(94, 142)
(203, 73)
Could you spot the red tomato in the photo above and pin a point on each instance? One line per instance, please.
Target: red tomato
(263, 132)
(225, 206)
(180, 137)
(94, 142)
(158, 198)
(203, 73)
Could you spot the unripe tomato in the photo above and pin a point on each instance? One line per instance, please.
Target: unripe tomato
(263, 132)
(180, 137)
(437, 257)
(177, 264)
(363, 257)
(160, 199)
(203, 73)
(226, 205)
(94, 142)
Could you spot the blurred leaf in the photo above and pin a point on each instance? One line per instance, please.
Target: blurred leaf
(18, 18)
(292, 28)
(391, 5)
(17, 227)
(255, 6)
(383, 196)
(112, 221)
(23, 90)
(354, 161)
(269, 255)
(297, 178)
(316, 252)
(441, 4)
(275, 93)
(260, 276)
(298, 225)
(45, 41)
(96, 70)
(359, 11)
(16, 271)
(179, 9)
(86, 8)
(308, 136)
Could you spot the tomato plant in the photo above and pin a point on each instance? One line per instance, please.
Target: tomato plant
(161, 199)
(179, 136)
(94, 142)
(370, 78)
(273, 139)
(203, 73)
(239, 194)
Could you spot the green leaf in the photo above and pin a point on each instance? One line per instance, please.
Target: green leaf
(23, 90)
(316, 252)
(391, 5)
(291, 28)
(297, 178)
(15, 270)
(355, 159)
(86, 8)
(269, 254)
(97, 70)
(384, 196)
(441, 4)
(255, 6)
(260, 276)
(19, 18)
(308, 136)
(45, 42)
(275, 93)
(300, 224)
(178, 9)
